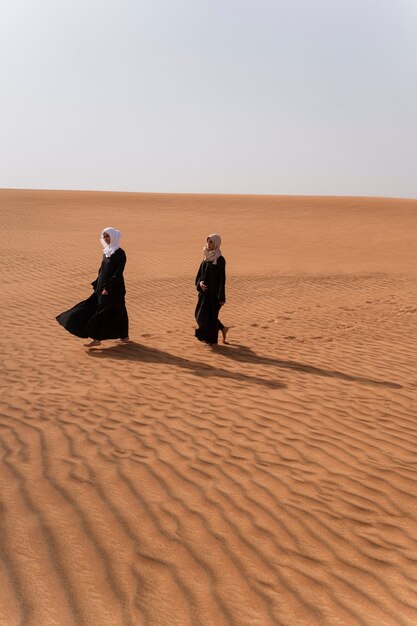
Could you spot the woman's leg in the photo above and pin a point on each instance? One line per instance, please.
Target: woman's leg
(224, 330)
(124, 326)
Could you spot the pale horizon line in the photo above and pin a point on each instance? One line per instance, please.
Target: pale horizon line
(203, 193)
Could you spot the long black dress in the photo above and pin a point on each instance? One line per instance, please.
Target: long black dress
(208, 305)
(101, 317)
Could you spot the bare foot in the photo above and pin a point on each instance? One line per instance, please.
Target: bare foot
(225, 330)
(93, 343)
(123, 340)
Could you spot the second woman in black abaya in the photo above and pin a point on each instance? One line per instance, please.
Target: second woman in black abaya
(103, 315)
(211, 283)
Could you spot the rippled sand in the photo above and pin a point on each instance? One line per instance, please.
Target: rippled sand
(272, 482)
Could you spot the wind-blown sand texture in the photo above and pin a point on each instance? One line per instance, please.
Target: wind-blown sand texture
(272, 482)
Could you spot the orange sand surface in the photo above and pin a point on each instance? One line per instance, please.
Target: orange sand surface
(270, 482)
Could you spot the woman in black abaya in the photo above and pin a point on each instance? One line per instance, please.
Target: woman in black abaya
(210, 283)
(103, 315)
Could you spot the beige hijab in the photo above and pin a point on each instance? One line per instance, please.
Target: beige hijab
(212, 255)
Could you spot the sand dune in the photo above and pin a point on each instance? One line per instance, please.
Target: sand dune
(272, 482)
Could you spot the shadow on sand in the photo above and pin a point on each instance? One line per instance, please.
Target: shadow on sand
(243, 354)
(236, 352)
(144, 354)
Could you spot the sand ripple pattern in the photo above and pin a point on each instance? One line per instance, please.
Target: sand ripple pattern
(272, 482)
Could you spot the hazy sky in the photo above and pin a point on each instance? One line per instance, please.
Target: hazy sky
(228, 96)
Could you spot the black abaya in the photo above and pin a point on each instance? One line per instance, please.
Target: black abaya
(101, 317)
(209, 301)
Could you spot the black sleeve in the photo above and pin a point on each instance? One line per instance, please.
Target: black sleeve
(199, 277)
(221, 263)
(120, 262)
(94, 283)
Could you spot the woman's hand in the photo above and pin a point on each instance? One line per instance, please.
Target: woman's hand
(203, 285)
(104, 292)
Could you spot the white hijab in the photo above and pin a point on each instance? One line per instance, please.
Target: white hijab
(213, 255)
(114, 240)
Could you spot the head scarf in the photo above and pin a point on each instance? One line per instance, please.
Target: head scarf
(114, 240)
(213, 255)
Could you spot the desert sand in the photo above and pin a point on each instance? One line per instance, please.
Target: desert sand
(272, 481)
